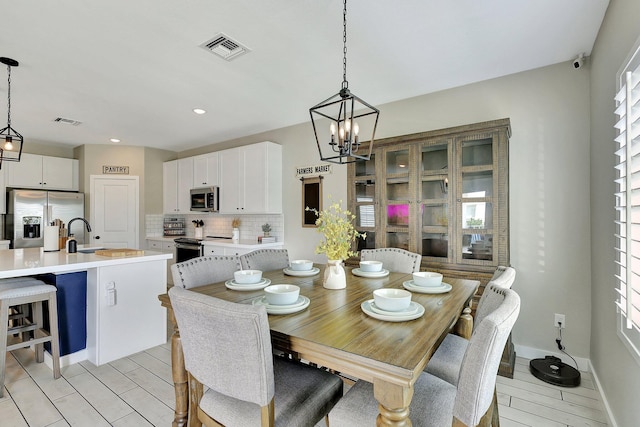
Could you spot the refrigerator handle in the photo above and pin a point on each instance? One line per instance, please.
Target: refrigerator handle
(49, 214)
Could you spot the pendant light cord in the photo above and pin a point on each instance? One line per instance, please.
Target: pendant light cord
(9, 96)
(345, 83)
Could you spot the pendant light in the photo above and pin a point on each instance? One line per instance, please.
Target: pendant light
(341, 122)
(10, 140)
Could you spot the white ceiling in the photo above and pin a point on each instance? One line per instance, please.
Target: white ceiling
(133, 69)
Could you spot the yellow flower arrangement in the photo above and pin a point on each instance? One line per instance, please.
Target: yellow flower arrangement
(235, 223)
(339, 233)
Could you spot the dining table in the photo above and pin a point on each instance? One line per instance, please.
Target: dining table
(335, 333)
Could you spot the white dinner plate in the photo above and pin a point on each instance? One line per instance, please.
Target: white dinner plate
(301, 273)
(235, 286)
(366, 307)
(370, 274)
(413, 308)
(443, 288)
(302, 303)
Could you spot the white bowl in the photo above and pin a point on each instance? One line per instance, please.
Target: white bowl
(371, 266)
(301, 265)
(427, 278)
(247, 276)
(392, 299)
(282, 294)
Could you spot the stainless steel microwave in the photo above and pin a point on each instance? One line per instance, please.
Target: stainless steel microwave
(205, 199)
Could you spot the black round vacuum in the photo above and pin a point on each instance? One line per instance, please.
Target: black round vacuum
(552, 370)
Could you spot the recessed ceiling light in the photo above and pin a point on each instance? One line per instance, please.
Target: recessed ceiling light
(114, 140)
(199, 111)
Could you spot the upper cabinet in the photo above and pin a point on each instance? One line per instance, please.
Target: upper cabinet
(35, 171)
(205, 170)
(177, 181)
(443, 194)
(251, 179)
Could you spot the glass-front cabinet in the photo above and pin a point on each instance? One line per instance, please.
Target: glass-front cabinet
(443, 194)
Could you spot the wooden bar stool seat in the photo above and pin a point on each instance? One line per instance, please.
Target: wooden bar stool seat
(35, 294)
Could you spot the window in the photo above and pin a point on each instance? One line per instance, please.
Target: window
(628, 202)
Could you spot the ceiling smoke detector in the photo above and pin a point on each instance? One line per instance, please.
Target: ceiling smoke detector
(67, 121)
(225, 47)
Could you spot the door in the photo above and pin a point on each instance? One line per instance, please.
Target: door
(114, 211)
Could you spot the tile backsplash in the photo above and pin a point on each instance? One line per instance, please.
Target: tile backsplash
(220, 225)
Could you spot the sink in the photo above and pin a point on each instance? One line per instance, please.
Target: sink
(89, 250)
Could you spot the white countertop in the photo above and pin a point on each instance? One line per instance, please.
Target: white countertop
(242, 244)
(31, 261)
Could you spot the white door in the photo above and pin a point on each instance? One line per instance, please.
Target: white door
(114, 211)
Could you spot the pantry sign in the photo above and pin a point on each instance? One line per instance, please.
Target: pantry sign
(115, 170)
(304, 171)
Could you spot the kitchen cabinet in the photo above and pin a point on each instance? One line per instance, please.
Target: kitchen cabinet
(167, 246)
(251, 179)
(46, 172)
(177, 181)
(205, 170)
(236, 249)
(3, 192)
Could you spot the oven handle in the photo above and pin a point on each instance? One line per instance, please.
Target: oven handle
(188, 246)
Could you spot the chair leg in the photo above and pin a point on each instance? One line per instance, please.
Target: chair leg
(37, 320)
(53, 332)
(4, 322)
(495, 418)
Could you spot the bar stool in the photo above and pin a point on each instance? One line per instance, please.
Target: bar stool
(33, 293)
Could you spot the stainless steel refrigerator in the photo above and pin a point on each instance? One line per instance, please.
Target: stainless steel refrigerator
(30, 210)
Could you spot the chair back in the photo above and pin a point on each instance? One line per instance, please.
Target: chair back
(503, 278)
(393, 259)
(265, 259)
(477, 380)
(204, 270)
(226, 346)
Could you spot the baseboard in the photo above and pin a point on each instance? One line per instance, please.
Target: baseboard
(535, 353)
(68, 359)
(605, 402)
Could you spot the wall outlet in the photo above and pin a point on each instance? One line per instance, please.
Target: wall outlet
(559, 319)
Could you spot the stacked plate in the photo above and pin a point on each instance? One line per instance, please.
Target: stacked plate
(233, 285)
(301, 303)
(426, 282)
(414, 311)
(301, 268)
(370, 274)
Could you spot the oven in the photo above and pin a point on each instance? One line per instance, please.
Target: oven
(187, 249)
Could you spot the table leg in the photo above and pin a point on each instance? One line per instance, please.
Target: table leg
(464, 325)
(393, 404)
(179, 373)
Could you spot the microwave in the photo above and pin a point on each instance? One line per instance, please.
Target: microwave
(205, 199)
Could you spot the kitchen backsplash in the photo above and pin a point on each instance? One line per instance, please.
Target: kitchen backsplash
(220, 225)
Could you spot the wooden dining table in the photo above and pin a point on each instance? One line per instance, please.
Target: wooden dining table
(334, 332)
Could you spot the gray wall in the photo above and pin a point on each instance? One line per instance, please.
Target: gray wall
(617, 371)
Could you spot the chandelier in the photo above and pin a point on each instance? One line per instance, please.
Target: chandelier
(341, 121)
(11, 141)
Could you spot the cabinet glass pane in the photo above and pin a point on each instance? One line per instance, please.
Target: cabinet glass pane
(397, 190)
(398, 161)
(366, 167)
(435, 189)
(435, 245)
(435, 215)
(369, 242)
(477, 152)
(398, 240)
(435, 157)
(477, 184)
(477, 215)
(477, 246)
(398, 215)
(365, 191)
(365, 216)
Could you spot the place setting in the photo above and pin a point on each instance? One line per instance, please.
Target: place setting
(427, 282)
(282, 299)
(301, 268)
(247, 280)
(370, 270)
(392, 305)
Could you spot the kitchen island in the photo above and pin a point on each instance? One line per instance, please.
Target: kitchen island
(123, 317)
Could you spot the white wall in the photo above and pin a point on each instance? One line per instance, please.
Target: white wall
(618, 372)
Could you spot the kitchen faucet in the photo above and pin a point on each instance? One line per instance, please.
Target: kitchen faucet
(81, 219)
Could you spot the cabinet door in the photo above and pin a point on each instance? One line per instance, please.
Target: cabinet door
(364, 200)
(170, 186)
(205, 170)
(26, 173)
(208, 250)
(255, 161)
(59, 173)
(231, 181)
(185, 183)
(3, 192)
(399, 194)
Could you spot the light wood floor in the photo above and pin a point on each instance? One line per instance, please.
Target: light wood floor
(137, 391)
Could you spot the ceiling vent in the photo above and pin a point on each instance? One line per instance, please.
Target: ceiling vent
(225, 47)
(67, 121)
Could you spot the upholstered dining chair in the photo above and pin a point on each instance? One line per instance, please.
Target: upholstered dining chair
(393, 259)
(204, 270)
(447, 360)
(227, 347)
(265, 259)
(436, 402)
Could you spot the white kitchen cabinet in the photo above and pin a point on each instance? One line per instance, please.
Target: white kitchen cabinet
(35, 171)
(166, 246)
(209, 250)
(251, 179)
(205, 170)
(3, 191)
(177, 181)
(4, 244)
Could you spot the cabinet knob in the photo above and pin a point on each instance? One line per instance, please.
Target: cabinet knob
(97, 237)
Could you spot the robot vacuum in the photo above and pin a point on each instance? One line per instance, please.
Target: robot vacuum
(552, 370)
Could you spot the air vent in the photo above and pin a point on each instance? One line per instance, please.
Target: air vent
(67, 121)
(225, 47)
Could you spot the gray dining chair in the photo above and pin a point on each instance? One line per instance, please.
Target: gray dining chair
(393, 259)
(265, 259)
(227, 348)
(204, 270)
(447, 360)
(436, 402)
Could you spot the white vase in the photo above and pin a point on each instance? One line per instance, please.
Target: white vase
(198, 232)
(334, 275)
(235, 234)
